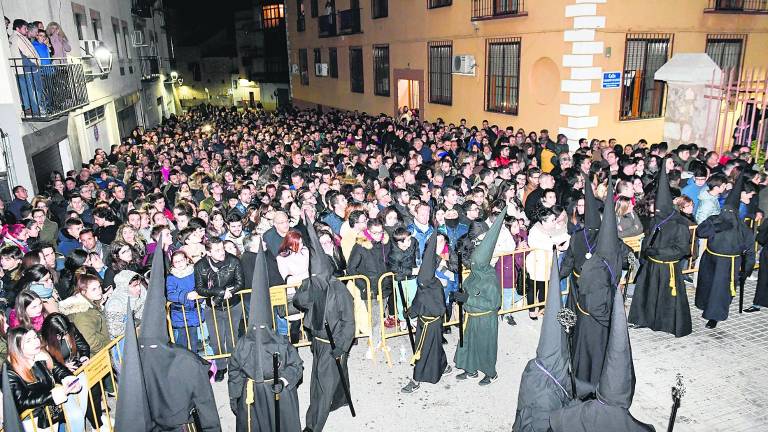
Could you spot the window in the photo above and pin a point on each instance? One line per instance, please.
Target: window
(502, 78)
(300, 21)
(303, 67)
(313, 8)
(486, 9)
(379, 8)
(356, 80)
(80, 25)
(440, 77)
(272, 15)
(96, 24)
(431, 4)
(126, 41)
(317, 59)
(727, 50)
(116, 32)
(93, 116)
(381, 70)
(333, 63)
(641, 95)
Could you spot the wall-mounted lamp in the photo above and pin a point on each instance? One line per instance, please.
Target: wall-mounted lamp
(103, 58)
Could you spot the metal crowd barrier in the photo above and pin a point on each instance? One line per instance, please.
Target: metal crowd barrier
(216, 343)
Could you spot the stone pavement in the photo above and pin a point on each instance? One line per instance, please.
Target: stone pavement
(725, 372)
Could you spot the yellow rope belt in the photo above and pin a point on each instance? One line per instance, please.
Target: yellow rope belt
(671, 265)
(578, 306)
(472, 315)
(425, 322)
(733, 268)
(322, 340)
(576, 274)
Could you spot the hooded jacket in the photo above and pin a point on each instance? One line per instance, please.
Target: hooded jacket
(89, 319)
(368, 258)
(178, 285)
(115, 309)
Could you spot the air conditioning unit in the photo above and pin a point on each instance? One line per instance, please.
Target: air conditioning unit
(137, 38)
(321, 69)
(88, 47)
(463, 64)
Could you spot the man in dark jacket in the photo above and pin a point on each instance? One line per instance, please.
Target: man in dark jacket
(220, 277)
(369, 256)
(19, 202)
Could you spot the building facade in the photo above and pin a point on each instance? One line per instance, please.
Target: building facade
(116, 77)
(584, 68)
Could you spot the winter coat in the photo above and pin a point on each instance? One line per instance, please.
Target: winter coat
(629, 225)
(421, 237)
(67, 243)
(368, 258)
(212, 280)
(49, 232)
(118, 302)
(294, 267)
(539, 262)
(402, 262)
(89, 319)
(178, 285)
(37, 395)
(708, 206)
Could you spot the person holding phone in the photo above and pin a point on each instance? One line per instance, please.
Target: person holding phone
(41, 383)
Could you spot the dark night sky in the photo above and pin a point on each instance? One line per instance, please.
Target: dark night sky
(196, 20)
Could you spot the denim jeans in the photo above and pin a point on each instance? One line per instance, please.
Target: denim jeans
(409, 290)
(180, 336)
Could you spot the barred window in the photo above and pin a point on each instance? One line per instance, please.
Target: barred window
(502, 78)
(727, 50)
(440, 76)
(431, 4)
(641, 95)
(303, 67)
(333, 63)
(316, 54)
(356, 80)
(379, 8)
(381, 70)
(272, 15)
(313, 8)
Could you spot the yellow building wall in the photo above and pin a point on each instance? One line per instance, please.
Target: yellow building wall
(410, 26)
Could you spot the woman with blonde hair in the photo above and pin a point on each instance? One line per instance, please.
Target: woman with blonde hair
(59, 40)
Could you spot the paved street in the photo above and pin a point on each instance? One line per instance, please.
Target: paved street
(725, 373)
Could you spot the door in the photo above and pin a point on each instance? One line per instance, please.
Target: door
(44, 163)
(251, 99)
(408, 94)
(282, 97)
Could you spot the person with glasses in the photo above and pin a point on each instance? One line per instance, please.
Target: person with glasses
(369, 256)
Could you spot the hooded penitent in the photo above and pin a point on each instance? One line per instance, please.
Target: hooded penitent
(483, 276)
(545, 381)
(260, 313)
(320, 272)
(591, 206)
(663, 204)
(608, 247)
(11, 420)
(429, 301)
(615, 389)
(154, 326)
(132, 413)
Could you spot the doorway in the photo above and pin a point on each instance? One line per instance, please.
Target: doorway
(408, 93)
(410, 90)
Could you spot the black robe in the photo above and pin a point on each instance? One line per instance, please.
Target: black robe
(653, 304)
(718, 280)
(593, 312)
(325, 391)
(761, 292)
(177, 381)
(594, 416)
(573, 260)
(243, 368)
(428, 305)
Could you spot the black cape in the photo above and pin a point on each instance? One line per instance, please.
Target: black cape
(594, 416)
(242, 367)
(653, 304)
(761, 292)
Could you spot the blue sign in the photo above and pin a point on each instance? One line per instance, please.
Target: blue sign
(611, 80)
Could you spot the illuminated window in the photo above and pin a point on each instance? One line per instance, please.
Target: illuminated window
(272, 15)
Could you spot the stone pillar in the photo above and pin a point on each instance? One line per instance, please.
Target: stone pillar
(690, 116)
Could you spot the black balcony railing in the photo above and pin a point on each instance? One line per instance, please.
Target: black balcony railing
(738, 6)
(349, 21)
(490, 9)
(326, 25)
(150, 67)
(49, 90)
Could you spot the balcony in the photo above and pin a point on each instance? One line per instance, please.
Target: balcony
(349, 22)
(737, 6)
(149, 67)
(495, 9)
(326, 25)
(50, 90)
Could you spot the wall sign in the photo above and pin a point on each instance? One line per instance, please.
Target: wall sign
(611, 80)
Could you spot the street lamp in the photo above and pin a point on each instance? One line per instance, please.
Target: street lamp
(103, 59)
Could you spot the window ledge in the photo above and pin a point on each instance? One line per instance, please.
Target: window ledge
(735, 12)
(500, 16)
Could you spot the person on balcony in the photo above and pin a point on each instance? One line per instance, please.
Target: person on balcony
(59, 40)
(25, 66)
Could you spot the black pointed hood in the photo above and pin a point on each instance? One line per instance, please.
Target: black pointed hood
(733, 200)
(428, 266)
(663, 203)
(319, 263)
(591, 207)
(552, 352)
(260, 310)
(11, 419)
(132, 413)
(608, 244)
(483, 252)
(617, 380)
(154, 325)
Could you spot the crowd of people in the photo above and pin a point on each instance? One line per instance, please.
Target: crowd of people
(372, 194)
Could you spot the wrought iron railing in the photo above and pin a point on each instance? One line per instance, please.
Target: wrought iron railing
(49, 88)
(738, 6)
(488, 9)
(326, 25)
(150, 67)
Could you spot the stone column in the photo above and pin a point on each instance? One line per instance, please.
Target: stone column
(690, 116)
